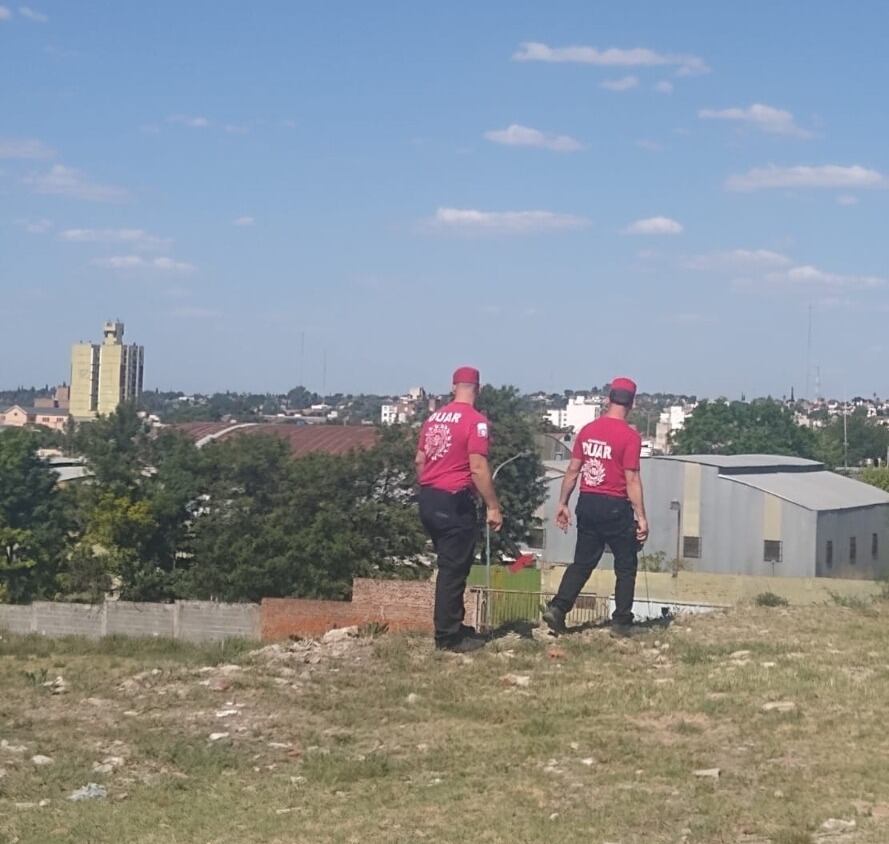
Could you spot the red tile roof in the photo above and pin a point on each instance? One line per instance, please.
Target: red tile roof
(303, 439)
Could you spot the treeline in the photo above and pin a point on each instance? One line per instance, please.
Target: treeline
(24, 396)
(768, 427)
(160, 519)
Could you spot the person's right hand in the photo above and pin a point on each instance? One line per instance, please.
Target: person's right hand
(563, 517)
(495, 519)
(641, 528)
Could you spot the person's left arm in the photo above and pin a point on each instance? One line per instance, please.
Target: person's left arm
(632, 463)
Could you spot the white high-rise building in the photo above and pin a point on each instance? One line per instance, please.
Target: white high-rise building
(672, 419)
(580, 411)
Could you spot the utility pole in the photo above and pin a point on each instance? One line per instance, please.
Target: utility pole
(302, 359)
(809, 356)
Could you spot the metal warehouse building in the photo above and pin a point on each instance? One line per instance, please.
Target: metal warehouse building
(751, 514)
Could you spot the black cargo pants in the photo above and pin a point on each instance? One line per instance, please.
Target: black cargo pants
(451, 520)
(603, 520)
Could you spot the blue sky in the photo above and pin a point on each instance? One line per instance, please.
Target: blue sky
(554, 192)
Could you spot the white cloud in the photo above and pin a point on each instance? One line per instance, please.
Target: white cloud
(847, 199)
(808, 276)
(664, 87)
(651, 146)
(5, 14)
(137, 238)
(135, 262)
(765, 272)
(36, 226)
(805, 176)
(505, 222)
(32, 14)
(120, 262)
(169, 265)
(193, 122)
(236, 129)
(774, 121)
(515, 135)
(66, 181)
(243, 221)
(533, 51)
(25, 148)
(625, 83)
(739, 260)
(654, 225)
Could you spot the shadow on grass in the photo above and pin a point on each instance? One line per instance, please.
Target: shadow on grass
(525, 629)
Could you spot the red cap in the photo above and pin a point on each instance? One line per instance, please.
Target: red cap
(466, 375)
(624, 384)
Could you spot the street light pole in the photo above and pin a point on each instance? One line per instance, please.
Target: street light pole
(488, 527)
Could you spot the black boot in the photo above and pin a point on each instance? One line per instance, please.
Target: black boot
(471, 632)
(554, 619)
(622, 629)
(464, 645)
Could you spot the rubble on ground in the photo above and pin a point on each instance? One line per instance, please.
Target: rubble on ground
(336, 644)
(91, 791)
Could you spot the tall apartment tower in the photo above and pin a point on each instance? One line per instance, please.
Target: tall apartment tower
(104, 375)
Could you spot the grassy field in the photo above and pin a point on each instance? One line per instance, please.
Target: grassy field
(587, 739)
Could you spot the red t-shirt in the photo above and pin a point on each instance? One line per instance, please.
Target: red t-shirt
(447, 439)
(607, 447)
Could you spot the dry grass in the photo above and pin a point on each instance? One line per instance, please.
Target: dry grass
(600, 746)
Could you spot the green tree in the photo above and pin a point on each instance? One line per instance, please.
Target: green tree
(133, 520)
(272, 526)
(878, 477)
(762, 427)
(32, 520)
(300, 398)
(115, 447)
(867, 440)
(520, 484)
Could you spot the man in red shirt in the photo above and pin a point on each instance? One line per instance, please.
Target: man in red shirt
(452, 466)
(610, 509)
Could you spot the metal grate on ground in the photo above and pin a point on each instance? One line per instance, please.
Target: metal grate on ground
(494, 608)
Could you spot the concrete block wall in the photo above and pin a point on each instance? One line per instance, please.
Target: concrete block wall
(59, 619)
(402, 605)
(202, 621)
(194, 621)
(126, 618)
(16, 618)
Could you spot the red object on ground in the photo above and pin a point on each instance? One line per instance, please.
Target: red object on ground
(522, 562)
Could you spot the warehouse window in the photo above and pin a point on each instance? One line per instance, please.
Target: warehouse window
(691, 547)
(772, 551)
(853, 550)
(829, 557)
(875, 546)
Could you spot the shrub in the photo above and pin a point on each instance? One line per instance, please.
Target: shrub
(770, 599)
